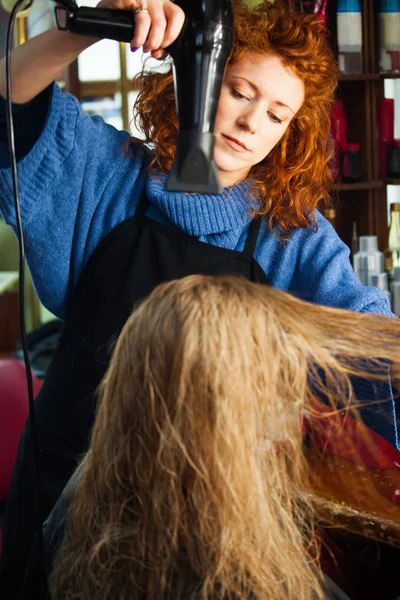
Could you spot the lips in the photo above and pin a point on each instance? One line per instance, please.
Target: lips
(235, 144)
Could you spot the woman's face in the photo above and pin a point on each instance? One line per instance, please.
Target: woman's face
(259, 98)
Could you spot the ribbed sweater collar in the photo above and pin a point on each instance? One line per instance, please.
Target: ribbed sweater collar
(198, 214)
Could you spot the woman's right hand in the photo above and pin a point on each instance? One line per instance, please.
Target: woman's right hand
(158, 23)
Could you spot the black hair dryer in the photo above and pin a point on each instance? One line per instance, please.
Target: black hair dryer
(199, 54)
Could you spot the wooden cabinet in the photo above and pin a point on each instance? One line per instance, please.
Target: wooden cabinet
(364, 202)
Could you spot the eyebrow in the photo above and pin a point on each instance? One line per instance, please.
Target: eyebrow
(253, 85)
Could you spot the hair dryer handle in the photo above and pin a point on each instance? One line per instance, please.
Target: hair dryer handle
(113, 24)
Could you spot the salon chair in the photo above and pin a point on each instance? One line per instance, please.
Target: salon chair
(14, 410)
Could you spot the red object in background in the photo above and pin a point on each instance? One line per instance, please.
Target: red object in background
(385, 110)
(335, 163)
(395, 60)
(339, 123)
(14, 409)
(339, 434)
(314, 7)
(351, 162)
(339, 137)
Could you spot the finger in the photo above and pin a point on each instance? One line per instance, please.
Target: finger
(175, 20)
(157, 31)
(142, 28)
(159, 54)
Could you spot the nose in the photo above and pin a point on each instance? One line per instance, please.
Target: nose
(249, 120)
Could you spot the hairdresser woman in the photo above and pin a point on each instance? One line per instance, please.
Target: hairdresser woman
(101, 231)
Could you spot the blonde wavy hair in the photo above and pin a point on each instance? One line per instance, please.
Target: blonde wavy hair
(196, 479)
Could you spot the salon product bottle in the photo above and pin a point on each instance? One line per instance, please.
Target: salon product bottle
(394, 159)
(368, 260)
(395, 289)
(392, 253)
(389, 36)
(349, 35)
(380, 281)
(351, 162)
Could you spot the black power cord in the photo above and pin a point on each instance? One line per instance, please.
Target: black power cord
(21, 291)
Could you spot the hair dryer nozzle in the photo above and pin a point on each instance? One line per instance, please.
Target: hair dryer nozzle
(194, 168)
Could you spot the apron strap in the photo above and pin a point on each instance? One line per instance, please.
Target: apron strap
(144, 202)
(143, 205)
(252, 236)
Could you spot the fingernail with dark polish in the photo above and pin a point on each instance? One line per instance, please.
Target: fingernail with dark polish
(134, 48)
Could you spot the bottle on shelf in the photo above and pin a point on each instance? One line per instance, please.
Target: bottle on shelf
(395, 289)
(351, 169)
(368, 260)
(394, 160)
(392, 253)
(349, 35)
(380, 281)
(389, 36)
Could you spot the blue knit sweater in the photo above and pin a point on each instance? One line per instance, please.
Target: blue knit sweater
(76, 184)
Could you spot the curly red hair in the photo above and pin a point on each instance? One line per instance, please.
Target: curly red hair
(295, 176)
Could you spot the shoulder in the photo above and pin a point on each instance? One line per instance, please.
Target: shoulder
(302, 250)
(319, 233)
(319, 244)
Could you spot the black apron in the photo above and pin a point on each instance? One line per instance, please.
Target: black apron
(127, 265)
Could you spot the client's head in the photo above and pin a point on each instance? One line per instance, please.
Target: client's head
(195, 479)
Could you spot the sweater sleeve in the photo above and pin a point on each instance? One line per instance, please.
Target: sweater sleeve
(75, 184)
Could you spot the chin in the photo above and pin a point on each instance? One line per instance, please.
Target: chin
(226, 163)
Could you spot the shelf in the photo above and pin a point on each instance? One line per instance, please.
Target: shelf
(94, 89)
(360, 77)
(390, 75)
(359, 185)
(368, 76)
(373, 184)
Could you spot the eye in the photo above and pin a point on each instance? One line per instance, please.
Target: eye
(238, 95)
(274, 118)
